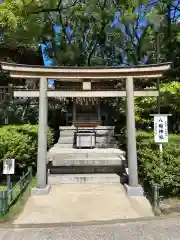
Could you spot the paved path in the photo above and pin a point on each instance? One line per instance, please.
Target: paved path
(157, 229)
(79, 203)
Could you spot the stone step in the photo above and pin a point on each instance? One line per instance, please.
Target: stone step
(99, 132)
(65, 140)
(66, 136)
(103, 133)
(71, 145)
(99, 138)
(65, 145)
(98, 144)
(87, 161)
(67, 133)
(94, 156)
(65, 151)
(81, 153)
(85, 169)
(54, 179)
(104, 140)
(106, 145)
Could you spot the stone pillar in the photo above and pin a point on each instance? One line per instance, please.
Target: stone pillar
(42, 135)
(132, 189)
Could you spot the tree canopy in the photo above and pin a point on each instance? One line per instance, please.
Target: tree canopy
(98, 32)
(94, 32)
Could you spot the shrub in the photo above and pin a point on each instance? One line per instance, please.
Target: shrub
(20, 142)
(32, 130)
(154, 167)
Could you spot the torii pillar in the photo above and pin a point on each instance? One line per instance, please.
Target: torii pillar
(41, 184)
(132, 188)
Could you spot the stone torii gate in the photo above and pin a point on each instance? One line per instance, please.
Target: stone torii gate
(86, 76)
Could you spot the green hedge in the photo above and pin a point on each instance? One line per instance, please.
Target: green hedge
(156, 168)
(20, 142)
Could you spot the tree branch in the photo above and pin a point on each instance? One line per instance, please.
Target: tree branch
(96, 42)
(57, 9)
(91, 53)
(72, 5)
(59, 4)
(176, 7)
(45, 10)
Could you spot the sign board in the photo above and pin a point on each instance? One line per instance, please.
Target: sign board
(8, 166)
(161, 129)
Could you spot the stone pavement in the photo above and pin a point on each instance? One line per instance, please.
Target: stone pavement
(155, 229)
(80, 203)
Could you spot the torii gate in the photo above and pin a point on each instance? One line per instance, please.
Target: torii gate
(86, 76)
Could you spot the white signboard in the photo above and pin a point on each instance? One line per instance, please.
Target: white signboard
(8, 166)
(160, 129)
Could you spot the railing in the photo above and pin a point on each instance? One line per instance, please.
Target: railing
(154, 194)
(9, 197)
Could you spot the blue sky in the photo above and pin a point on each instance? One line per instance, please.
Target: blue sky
(114, 24)
(47, 60)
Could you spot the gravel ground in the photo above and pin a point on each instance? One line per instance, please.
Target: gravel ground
(156, 229)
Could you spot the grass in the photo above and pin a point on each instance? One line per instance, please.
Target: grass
(20, 199)
(17, 207)
(33, 184)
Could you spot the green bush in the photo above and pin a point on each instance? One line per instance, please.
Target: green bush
(32, 130)
(163, 169)
(20, 142)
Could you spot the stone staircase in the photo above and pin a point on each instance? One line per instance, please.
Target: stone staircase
(68, 165)
(83, 179)
(86, 166)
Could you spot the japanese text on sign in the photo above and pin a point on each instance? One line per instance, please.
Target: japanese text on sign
(160, 129)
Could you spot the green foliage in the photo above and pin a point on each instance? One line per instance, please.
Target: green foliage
(94, 42)
(156, 168)
(20, 25)
(170, 103)
(143, 108)
(20, 142)
(25, 23)
(170, 93)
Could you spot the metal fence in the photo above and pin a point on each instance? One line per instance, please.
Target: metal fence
(153, 193)
(9, 197)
